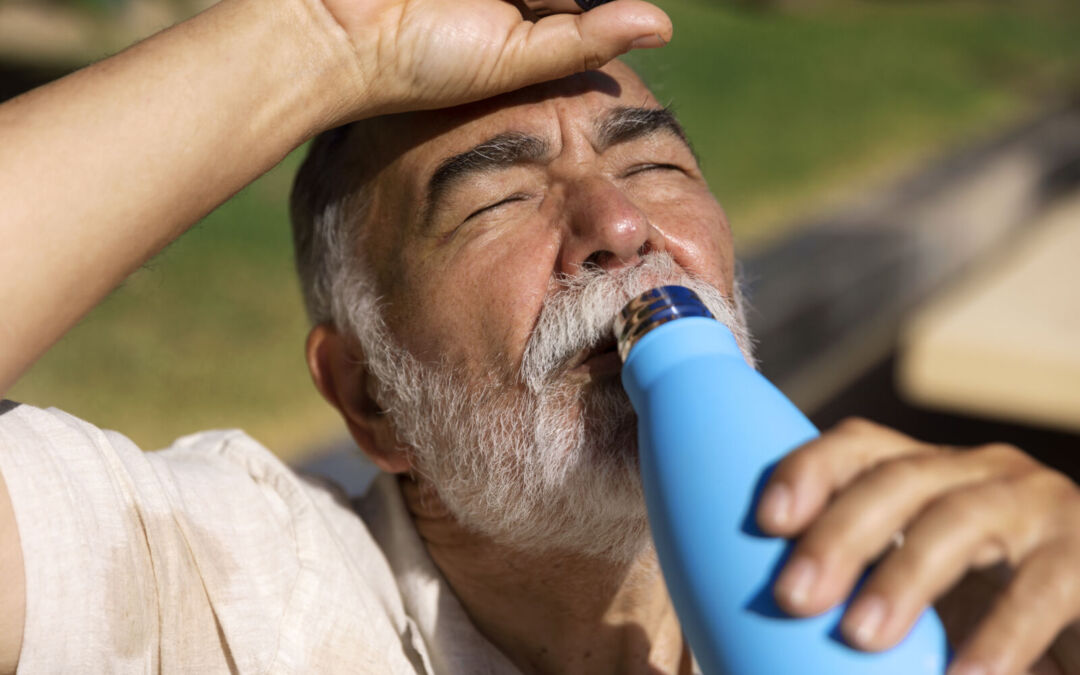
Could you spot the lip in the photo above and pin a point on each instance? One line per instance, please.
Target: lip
(601, 361)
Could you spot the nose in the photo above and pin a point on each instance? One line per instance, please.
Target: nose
(604, 228)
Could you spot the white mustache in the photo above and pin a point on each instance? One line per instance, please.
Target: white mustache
(579, 312)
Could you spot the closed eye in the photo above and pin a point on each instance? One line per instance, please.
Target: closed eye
(518, 197)
(641, 168)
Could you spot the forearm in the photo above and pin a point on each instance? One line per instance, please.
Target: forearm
(105, 167)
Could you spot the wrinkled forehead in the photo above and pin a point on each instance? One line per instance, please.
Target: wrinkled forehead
(401, 152)
(409, 140)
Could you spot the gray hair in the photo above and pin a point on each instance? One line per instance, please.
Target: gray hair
(329, 203)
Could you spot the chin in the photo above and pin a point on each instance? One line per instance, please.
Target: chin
(608, 420)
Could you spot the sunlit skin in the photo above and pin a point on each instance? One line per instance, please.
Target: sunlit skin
(471, 290)
(465, 286)
(106, 166)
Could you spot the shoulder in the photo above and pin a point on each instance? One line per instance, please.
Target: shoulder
(220, 481)
(212, 546)
(225, 472)
(26, 426)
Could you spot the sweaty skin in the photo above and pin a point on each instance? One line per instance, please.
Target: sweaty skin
(469, 289)
(578, 202)
(465, 283)
(105, 167)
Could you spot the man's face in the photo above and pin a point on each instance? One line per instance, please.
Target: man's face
(471, 223)
(504, 236)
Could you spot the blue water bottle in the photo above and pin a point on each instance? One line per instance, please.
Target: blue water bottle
(710, 427)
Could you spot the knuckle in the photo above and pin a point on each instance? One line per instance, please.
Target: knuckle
(805, 460)
(593, 60)
(1003, 452)
(1052, 575)
(1064, 497)
(906, 473)
(855, 426)
(840, 545)
(926, 463)
(970, 504)
(1049, 483)
(1050, 503)
(898, 472)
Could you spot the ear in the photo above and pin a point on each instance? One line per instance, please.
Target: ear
(337, 366)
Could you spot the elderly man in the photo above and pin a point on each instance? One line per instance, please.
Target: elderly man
(461, 266)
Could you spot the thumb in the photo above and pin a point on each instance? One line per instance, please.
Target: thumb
(563, 44)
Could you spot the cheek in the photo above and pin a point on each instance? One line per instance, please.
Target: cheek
(477, 301)
(510, 277)
(696, 233)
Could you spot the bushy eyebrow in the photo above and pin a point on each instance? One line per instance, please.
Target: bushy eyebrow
(500, 151)
(626, 124)
(620, 125)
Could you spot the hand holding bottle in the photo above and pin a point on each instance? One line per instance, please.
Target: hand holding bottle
(710, 428)
(962, 512)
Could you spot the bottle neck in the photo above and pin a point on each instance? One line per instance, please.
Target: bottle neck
(652, 309)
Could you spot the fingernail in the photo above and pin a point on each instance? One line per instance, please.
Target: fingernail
(864, 620)
(775, 507)
(648, 42)
(797, 580)
(967, 669)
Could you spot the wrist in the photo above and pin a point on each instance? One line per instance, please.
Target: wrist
(327, 71)
(300, 70)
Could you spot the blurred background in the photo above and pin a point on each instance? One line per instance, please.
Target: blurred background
(903, 179)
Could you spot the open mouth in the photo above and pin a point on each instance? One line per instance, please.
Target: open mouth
(601, 359)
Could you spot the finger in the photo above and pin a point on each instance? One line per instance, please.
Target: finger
(861, 521)
(803, 482)
(973, 526)
(1042, 599)
(563, 44)
(545, 7)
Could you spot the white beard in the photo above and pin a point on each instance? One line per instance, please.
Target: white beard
(541, 464)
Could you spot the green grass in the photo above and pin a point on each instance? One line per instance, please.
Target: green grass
(210, 334)
(786, 109)
(789, 111)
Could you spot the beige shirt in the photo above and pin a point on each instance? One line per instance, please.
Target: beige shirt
(213, 556)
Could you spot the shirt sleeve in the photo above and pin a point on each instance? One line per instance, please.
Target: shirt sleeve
(210, 556)
(92, 516)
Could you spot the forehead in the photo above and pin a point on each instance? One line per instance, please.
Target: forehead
(411, 142)
(577, 100)
(403, 150)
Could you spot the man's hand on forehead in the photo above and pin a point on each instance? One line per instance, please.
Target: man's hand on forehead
(249, 81)
(433, 53)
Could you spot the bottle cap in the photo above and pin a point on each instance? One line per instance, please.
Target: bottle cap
(546, 7)
(654, 308)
